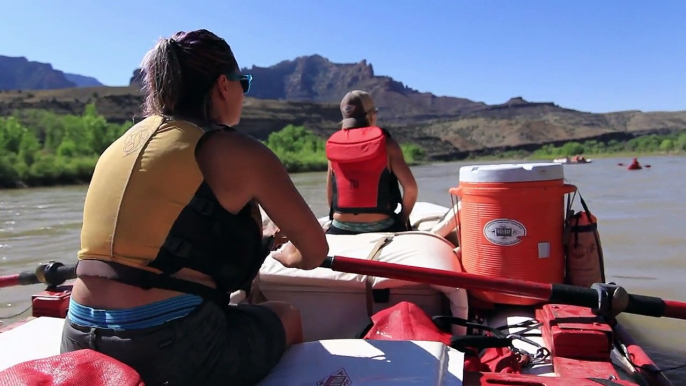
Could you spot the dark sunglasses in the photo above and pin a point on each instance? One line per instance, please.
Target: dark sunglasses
(244, 79)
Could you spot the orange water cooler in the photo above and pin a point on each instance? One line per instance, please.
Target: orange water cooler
(511, 224)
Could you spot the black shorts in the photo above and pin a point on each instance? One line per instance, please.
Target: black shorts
(397, 226)
(210, 346)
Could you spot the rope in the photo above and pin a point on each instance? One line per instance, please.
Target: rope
(542, 353)
(15, 315)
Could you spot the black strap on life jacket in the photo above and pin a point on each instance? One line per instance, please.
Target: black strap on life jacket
(389, 197)
(147, 280)
(206, 238)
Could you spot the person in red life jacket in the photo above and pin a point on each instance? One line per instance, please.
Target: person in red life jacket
(365, 166)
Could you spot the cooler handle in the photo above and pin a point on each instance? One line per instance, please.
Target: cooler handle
(568, 188)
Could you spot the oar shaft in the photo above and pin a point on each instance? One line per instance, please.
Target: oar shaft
(673, 309)
(540, 291)
(550, 293)
(9, 280)
(653, 306)
(52, 274)
(23, 278)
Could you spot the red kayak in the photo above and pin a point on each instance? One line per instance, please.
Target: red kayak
(635, 165)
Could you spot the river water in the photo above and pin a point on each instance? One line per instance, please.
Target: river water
(640, 213)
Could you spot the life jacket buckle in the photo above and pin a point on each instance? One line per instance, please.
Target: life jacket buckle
(203, 206)
(179, 247)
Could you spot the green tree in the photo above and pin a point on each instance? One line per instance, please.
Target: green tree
(666, 145)
(28, 148)
(572, 148)
(39, 147)
(413, 153)
(11, 134)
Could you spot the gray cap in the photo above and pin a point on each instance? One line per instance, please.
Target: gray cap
(354, 107)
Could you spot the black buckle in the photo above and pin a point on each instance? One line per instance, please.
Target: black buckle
(178, 247)
(203, 206)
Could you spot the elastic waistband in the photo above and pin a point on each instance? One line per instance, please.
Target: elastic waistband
(146, 316)
(364, 226)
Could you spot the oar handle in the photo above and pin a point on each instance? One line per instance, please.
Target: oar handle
(55, 273)
(654, 306)
(52, 274)
(607, 299)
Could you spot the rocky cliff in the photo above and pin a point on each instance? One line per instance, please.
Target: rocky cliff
(307, 91)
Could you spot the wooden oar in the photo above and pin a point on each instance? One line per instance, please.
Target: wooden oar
(606, 299)
(52, 274)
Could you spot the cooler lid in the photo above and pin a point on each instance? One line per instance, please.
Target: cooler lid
(526, 172)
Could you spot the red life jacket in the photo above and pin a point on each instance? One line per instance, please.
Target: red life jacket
(362, 181)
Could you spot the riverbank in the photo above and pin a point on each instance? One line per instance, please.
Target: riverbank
(533, 157)
(299, 168)
(79, 172)
(66, 161)
(56, 171)
(647, 145)
(40, 148)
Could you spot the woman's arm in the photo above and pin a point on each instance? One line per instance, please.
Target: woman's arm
(405, 177)
(329, 185)
(239, 168)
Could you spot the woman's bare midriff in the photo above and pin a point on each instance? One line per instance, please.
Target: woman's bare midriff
(362, 217)
(101, 293)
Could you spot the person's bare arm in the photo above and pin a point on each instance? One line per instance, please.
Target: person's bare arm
(405, 177)
(239, 168)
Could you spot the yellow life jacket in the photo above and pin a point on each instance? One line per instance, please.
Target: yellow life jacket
(149, 213)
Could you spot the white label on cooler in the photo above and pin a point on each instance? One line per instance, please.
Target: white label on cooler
(543, 250)
(504, 231)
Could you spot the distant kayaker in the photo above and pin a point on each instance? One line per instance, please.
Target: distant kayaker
(171, 226)
(365, 166)
(635, 164)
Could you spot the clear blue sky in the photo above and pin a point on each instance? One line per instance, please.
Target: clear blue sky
(588, 55)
